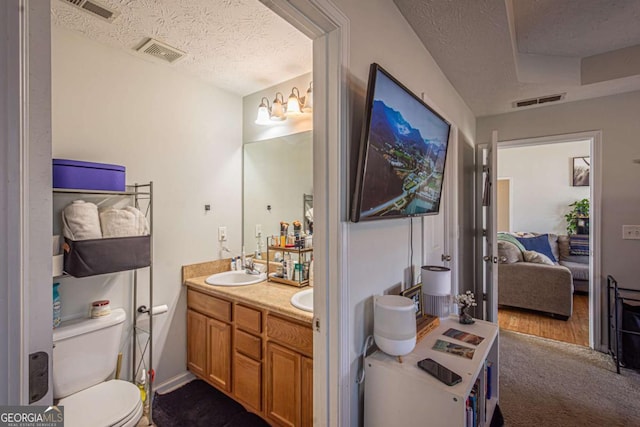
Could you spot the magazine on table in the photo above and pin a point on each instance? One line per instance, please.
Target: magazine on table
(452, 348)
(467, 337)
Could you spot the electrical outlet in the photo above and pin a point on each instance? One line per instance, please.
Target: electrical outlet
(258, 230)
(222, 234)
(631, 232)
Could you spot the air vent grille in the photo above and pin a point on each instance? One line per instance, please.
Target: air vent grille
(94, 8)
(537, 101)
(161, 51)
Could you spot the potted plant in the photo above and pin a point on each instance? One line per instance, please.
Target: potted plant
(578, 217)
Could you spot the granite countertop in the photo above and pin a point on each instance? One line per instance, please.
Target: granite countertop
(271, 296)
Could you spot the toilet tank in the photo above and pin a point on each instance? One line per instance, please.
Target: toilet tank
(85, 352)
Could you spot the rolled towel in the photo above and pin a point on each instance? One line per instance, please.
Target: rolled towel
(118, 223)
(80, 221)
(142, 222)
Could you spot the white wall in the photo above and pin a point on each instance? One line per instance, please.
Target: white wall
(617, 117)
(378, 250)
(541, 187)
(184, 135)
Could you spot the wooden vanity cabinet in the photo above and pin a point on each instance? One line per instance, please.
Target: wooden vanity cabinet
(247, 357)
(289, 376)
(209, 338)
(260, 359)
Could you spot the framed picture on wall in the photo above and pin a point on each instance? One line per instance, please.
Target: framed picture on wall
(415, 294)
(580, 172)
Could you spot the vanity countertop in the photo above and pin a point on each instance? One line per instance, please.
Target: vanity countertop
(267, 295)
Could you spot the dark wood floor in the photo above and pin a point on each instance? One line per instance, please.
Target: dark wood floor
(575, 330)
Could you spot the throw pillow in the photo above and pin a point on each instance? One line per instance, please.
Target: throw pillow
(508, 253)
(579, 244)
(537, 257)
(539, 244)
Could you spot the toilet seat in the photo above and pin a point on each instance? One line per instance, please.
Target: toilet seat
(114, 403)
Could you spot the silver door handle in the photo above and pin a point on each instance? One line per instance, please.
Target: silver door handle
(445, 257)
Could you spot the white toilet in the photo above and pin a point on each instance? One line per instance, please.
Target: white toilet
(84, 356)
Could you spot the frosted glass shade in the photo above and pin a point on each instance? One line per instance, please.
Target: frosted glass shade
(394, 324)
(263, 116)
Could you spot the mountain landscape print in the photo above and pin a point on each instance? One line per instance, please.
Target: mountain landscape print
(405, 155)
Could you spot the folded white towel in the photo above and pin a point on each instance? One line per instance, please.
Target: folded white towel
(143, 223)
(80, 221)
(123, 222)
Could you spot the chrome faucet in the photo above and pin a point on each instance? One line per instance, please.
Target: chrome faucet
(250, 268)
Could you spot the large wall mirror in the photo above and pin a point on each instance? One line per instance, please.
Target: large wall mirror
(278, 186)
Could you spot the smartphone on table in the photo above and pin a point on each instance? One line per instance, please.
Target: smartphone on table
(442, 373)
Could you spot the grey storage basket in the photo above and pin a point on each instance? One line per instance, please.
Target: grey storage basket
(83, 258)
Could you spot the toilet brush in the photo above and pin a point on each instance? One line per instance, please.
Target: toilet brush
(118, 366)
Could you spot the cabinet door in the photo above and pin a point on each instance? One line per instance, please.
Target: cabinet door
(307, 392)
(196, 342)
(219, 372)
(247, 381)
(283, 385)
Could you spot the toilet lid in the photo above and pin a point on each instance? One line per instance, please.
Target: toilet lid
(104, 404)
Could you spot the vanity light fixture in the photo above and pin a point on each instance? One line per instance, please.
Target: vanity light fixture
(277, 110)
(293, 104)
(308, 100)
(263, 112)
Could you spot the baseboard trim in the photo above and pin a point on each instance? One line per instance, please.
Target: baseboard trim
(175, 382)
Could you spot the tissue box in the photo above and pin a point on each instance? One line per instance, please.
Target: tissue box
(75, 174)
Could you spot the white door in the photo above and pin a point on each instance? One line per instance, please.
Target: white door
(486, 221)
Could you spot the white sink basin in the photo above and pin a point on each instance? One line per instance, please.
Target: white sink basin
(303, 300)
(235, 278)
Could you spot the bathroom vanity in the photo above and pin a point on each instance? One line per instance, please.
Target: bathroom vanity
(252, 344)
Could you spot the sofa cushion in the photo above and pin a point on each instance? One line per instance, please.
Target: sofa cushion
(508, 253)
(579, 271)
(536, 257)
(579, 244)
(539, 244)
(563, 246)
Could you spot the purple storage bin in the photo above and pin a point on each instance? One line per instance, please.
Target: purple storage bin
(79, 175)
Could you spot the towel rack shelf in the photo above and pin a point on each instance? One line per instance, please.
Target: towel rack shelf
(141, 351)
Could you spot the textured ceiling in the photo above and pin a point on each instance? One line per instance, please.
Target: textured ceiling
(238, 45)
(471, 40)
(576, 28)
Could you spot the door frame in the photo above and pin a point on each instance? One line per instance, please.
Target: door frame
(328, 27)
(595, 214)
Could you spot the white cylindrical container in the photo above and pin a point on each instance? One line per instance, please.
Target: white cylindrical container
(394, 325)
(436, 287)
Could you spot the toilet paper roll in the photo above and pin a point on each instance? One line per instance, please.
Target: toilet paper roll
(436, 280)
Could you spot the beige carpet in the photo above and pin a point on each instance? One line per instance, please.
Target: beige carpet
(549, 383)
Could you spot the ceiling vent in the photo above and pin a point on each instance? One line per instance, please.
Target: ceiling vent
(94, 8)
(537, 101)
(161, 51)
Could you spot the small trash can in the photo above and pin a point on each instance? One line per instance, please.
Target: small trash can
(630, 342)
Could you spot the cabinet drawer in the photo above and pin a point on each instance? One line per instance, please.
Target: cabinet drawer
(292, 334)
(209, 305)
(248, 345)
(247, 382)
(248, 319)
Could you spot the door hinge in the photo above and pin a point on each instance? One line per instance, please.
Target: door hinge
(484, 296)
(484, 232)
(316, 324)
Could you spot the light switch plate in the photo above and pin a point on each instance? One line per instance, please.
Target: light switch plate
(631, 232)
